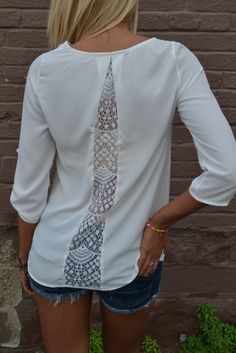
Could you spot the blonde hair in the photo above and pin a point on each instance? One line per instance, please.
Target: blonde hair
(73, 20)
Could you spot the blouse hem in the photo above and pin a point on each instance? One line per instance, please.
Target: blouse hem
(82, 287)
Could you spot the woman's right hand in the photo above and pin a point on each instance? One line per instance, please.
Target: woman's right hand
(152, 245)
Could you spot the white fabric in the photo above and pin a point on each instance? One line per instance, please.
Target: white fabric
(108, 118)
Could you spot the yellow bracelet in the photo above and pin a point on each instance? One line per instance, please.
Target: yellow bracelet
(158, 230)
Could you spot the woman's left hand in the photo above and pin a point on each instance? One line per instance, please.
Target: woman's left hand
(151, 248)
(26, 283)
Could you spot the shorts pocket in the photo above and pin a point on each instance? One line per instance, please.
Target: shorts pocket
(127, 299)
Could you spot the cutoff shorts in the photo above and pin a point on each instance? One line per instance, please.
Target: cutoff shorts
(138, 294)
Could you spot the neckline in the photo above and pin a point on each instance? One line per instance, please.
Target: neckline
(67, 44)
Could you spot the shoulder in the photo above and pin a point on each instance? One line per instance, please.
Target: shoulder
(164, 43)
(43, 60)
(179, 49)
(183, 54)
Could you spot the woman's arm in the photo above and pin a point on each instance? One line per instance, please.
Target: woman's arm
(182, 206)
(25, 231)
(215, 144)
(153, 243)
(36, 153)
(212, 136)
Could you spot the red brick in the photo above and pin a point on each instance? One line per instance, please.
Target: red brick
(232, 22)
(179, 185)
(3, 37)
(202, 22)
(200, 41)
(214, 246)
(183, 170)
(8, 213)
(211, 6)
(8, 166)
(9, 18)
(34, 19)
(13, 74)
(153, 21)
(214, 78)
(11, 93)
(23, 4)
(10, 111)
(217, 61)
(10, 130)
(8, 148)
(183, 152)
(214, 219)
(162, 5)
(14, 56)
(181, 134)
(229, 80)
(25, 38)
(226, 97)
(201, 280)
(230, 114)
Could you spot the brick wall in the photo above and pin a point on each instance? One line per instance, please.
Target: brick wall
(201, 264)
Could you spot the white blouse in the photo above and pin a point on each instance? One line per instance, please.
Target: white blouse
(108, 118)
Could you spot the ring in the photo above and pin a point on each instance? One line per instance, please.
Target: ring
(151, 264)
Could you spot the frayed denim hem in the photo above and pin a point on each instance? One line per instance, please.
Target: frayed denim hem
(57, 298)
(130, 311)
(72, 297)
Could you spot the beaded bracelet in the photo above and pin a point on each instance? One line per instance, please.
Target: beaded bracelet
(152, 226)
(22, 266)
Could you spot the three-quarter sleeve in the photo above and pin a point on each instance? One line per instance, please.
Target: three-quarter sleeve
(212, 135)
(36, 150)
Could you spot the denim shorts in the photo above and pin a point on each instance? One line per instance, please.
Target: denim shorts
(138, 294)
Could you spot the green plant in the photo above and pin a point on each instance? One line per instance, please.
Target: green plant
(214, 335)
(95, 342)
(195, 344)
(149, 344)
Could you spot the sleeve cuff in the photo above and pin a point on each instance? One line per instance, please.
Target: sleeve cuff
(28, 220)
(206, 201)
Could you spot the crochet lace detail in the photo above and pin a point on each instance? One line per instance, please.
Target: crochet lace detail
(83, 262)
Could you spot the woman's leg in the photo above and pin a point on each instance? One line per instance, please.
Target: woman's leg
(123, 332)
(65, 328)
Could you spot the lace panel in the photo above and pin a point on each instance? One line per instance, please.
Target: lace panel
(83, 262)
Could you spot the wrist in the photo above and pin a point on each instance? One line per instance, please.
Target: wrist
(158, 223)
(22, 264)
(23, 257)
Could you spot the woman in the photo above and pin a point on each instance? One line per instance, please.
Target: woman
(102, 100)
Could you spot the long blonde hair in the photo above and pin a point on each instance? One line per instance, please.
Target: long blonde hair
(73, 20)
